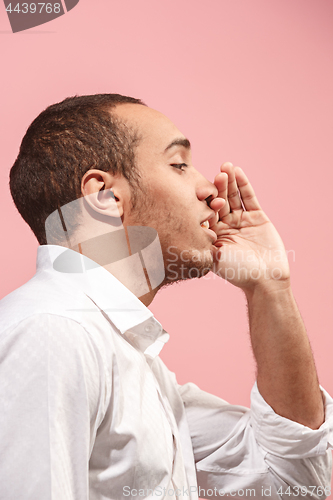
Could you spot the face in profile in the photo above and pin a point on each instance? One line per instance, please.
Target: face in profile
(174, 194)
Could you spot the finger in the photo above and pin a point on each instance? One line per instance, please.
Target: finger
(233, 194)
(219, 227)
(221, 182)
(247, 193)
(217, 204)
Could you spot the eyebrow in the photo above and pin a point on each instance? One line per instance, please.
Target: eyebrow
(179, 142)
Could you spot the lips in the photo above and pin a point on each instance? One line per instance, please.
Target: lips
(206, 222)
(205, 226)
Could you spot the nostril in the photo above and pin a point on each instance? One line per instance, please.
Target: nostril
(209, 199)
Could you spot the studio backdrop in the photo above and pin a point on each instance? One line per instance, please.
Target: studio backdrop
(247, 81)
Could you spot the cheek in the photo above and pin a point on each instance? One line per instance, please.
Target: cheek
(144, 206)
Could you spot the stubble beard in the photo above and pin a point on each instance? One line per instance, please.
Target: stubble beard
(180, 264)
(185, 264)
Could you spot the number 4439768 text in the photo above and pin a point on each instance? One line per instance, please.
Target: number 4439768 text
(34, 8)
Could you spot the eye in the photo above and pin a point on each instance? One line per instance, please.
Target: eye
(180, 166)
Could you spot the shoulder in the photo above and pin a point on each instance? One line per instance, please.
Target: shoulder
(49, 320)
(41, 335)
(52, 360)
(41, 295)
(43, 320)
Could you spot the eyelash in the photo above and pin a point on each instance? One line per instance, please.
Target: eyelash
(179, 166)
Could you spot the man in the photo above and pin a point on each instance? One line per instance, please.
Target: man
(89, 409)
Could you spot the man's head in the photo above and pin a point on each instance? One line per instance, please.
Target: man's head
(89, 145)
(65, 141)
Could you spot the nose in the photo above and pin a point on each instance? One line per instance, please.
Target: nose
(206, 190)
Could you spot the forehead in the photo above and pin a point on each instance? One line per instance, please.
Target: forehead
(156, 130)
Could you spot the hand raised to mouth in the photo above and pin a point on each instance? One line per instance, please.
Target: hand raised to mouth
(248, 250)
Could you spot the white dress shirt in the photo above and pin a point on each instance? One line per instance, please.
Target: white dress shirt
(89, 410)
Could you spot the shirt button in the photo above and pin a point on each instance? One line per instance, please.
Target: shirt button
(148, 328)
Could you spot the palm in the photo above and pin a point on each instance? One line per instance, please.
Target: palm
(248, 247)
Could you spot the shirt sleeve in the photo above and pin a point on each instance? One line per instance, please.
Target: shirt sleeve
(243, 452)
(51, 405)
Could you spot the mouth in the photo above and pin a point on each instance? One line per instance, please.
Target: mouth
(205, 226)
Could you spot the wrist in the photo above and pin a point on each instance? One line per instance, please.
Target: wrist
(267, 287)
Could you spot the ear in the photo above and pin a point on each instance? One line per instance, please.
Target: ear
(105, 193)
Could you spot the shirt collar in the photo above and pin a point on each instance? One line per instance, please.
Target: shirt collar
(130, 316)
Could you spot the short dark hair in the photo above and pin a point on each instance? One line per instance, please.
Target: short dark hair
(65, 141)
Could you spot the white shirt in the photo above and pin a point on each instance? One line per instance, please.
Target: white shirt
(89, 410)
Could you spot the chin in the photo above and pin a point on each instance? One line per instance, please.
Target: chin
(187, 264)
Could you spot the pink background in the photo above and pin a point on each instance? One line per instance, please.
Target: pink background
(249, 81)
